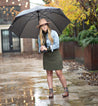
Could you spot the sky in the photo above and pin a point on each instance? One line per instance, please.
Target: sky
(35, 2)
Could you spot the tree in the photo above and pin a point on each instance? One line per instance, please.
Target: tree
(47, 1)
(72, 11)
(90, 8)
(70, 8)
(79, 10)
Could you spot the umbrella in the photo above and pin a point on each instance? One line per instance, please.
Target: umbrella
(24, 24)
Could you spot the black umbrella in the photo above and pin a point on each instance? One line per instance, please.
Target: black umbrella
(26, 21)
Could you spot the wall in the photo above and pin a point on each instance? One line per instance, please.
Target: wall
(67, 50)
(24, 4)
(27, 43)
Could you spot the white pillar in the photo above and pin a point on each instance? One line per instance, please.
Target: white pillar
(0, 43)
(34, 45)
(21, 45)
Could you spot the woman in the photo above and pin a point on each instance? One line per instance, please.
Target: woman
(48, 41)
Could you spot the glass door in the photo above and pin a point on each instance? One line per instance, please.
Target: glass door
(10, 42)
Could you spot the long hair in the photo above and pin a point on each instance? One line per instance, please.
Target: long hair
(49, 36)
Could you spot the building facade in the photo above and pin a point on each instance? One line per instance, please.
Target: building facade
(9, 42)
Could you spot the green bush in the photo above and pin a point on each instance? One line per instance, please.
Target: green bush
(67, 38)
(67, 34)
(90, 40)
(84, 38)
(87, 37)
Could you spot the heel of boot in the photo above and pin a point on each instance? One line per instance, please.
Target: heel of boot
(66, 92)
(51, 93)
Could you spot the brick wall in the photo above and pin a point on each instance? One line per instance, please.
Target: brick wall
(24, 4)
(27, 45)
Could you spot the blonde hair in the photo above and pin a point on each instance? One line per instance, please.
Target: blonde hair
(49, 36)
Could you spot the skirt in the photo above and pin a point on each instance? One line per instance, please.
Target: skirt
(52, 60)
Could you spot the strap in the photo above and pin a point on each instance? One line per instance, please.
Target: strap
(66, 89)
(51, 90)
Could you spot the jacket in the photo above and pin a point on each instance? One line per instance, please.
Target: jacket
(55, 44)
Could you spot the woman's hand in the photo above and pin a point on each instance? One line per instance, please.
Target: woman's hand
(43, 48)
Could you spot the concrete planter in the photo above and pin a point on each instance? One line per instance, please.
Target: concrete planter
(67, 50)
(91, 57)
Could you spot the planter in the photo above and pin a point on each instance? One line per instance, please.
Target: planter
(91, 57)
(79, 54)
(67, 50)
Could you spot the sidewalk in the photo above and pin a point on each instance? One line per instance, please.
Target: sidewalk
(23, 83)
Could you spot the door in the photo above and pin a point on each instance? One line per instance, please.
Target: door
(10, 42)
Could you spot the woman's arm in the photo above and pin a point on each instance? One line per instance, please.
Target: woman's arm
(55, 42)
(41, 48)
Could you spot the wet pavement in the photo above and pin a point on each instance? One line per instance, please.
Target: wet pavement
(23, 83)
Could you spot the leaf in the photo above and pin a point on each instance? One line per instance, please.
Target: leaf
(67, 39)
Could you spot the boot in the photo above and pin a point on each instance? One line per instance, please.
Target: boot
(51, 93)
(66, 92)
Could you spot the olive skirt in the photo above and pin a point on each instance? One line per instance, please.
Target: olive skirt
(52, 60)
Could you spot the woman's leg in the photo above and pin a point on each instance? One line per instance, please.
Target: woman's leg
(61, 77)
(50, 83)
(50, 79)
(63, 81)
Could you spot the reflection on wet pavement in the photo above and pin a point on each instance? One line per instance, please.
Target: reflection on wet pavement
(23, 83)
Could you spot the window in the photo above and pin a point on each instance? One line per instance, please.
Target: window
(7, 14)
(10, 42)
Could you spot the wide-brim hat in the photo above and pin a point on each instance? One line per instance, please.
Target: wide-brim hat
(42, 22)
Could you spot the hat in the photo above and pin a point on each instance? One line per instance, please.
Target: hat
(42, 22)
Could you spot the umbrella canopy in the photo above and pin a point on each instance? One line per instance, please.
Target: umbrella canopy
(24, 24)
